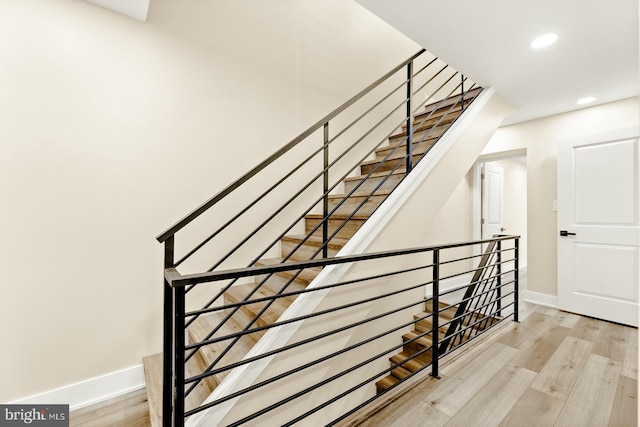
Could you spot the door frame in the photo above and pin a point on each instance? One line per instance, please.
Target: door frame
(477, 187)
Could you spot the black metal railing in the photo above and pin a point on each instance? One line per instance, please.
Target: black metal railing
(306, 177)
(334, 354)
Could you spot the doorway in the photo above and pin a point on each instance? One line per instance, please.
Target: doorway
(500, 198)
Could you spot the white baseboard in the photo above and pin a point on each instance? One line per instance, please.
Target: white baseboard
(91, 391)
(541, 299)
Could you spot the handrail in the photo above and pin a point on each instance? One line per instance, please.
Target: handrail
(175, 279)
(162, 237)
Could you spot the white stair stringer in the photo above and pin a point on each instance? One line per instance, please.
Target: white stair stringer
(417, 200)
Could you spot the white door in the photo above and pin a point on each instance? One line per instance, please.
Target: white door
(598, 226)
(492, 200)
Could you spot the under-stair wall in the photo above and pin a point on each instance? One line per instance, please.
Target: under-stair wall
(400, 222)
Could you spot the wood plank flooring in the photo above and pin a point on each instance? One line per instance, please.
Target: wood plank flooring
(552, 369)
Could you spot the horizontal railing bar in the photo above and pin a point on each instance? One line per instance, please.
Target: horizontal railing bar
(461, 287)
(475, 269)
(475, 311)
(210, 372)
(475, 256)
(317, 361)
(302, 291)
(332, 310)
(176, 279)
(265, 327)
(215, 199)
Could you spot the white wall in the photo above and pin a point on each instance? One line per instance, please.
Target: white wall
(111, 129)
(539, 138)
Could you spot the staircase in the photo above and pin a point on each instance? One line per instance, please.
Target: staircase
(380, 176)
(418, 345)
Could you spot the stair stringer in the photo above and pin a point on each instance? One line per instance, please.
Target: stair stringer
(437, 175)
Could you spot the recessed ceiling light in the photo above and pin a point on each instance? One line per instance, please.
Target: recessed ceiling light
(586, 100)
(544, 41)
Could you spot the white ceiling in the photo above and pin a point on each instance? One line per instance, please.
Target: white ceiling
(596, 53)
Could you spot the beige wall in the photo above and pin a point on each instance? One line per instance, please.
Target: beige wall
(111, 129)
(539, 138)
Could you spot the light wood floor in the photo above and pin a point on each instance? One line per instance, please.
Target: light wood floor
(552, 369)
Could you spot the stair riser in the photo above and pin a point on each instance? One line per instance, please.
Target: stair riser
(346, 230)
(367, 187)
(304, 252)
(352, 203)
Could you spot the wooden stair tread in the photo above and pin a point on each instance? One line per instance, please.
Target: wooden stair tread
(424, 340)
(436, 132)
(399, 155)
(373, 175)
(339, 197)
(336, 243)
(339, 217)
(414, 365)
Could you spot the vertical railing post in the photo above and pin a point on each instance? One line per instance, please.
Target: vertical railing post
(436, 314)
(178, 410)
(409, 116)
(167, 339)
(516, 282)
(325, 189)
(462, 91)
(499, 277)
